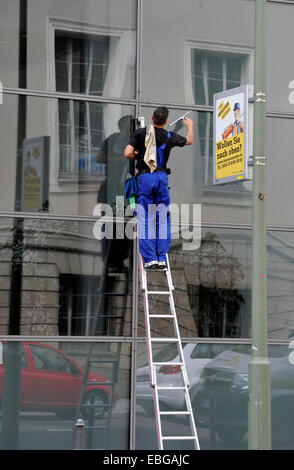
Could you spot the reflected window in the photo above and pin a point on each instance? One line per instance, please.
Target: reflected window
(215, 72)
(78, 303)
(217, 311)
(81, 64)
(48, 359)
(81, 133)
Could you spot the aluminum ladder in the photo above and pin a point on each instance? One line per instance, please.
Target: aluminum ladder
(153, 365)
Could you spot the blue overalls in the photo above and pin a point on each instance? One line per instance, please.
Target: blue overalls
(152, 211)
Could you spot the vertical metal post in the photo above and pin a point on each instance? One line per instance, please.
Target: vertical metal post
(80, 434)
(134, 347)
(259, 407)
(12, 371)
(139, 56)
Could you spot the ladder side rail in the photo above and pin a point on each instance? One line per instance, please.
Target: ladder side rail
(177, 334)
(183, 368)
(152, 368)
(168, 274)
(157, 418)
(152, 365)
(147, 325)
(191, 418)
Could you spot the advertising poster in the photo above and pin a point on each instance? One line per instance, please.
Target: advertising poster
(230, 158)
(35, 174)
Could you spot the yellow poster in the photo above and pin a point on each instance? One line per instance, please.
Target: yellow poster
(230, 151)
(31, 193)
(230, 156)
(32, 174)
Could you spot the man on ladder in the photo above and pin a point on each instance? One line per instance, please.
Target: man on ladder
(151, 148)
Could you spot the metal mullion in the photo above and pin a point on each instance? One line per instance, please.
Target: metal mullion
(125, 102)
(223, 225)
(88, 85)
(139, 55)
(89, 133)
(129, 339)
(69, 96)
(134, 347)
(206, 152)
(69, 65)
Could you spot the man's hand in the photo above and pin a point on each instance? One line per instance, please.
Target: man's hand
(189, 136)
(130, 152)
(188, 122)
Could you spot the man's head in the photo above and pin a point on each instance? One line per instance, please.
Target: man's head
(160, 116)
(236, 110)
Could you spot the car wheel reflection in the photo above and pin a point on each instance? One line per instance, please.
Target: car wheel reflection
(95, 404)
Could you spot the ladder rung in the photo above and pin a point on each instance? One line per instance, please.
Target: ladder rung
(161, 316)
(174, 412)
(178, 438)
(167, 363)
(165, 340)
(162, 292)
(171, 388)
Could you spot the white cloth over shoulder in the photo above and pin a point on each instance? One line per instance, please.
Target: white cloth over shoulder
(150, 144)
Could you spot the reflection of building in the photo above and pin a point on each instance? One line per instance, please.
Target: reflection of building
(84, 67)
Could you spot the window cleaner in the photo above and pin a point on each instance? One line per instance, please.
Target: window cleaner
(151, 147)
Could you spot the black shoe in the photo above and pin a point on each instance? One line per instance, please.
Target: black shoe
(162, 265)
(152, 266)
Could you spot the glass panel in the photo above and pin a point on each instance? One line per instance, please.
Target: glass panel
(50, 382)
(231, 202)
(212, 284)
(88, 47)
(280, 86)
(62, 156)
(215, 76)
(280, 291)
(279, 180)
(187, 41)
(71, 282)
(212, 287)
(218, 376)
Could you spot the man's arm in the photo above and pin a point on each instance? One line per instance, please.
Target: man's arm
(190, 135)
(130, 152)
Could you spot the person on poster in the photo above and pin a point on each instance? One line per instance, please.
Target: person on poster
(237, 126)
(29, 170)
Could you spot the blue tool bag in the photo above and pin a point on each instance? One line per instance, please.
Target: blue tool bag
(131, 187)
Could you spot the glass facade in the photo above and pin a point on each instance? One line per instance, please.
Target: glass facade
(76, 76)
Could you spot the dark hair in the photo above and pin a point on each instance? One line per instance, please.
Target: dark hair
(160, 115)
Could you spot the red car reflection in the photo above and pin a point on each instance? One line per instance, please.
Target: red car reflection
(52, 381)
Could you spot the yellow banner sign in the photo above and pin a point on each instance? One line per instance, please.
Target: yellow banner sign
(230, 156)
(223, 110)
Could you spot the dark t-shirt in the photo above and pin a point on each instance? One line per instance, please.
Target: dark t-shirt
(138, 142)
